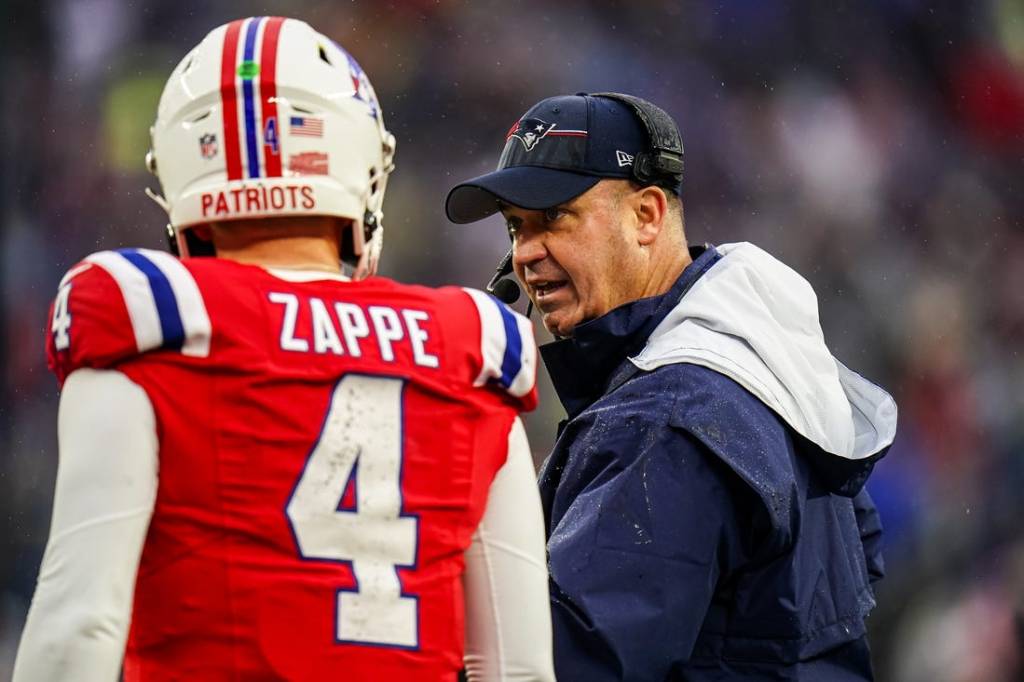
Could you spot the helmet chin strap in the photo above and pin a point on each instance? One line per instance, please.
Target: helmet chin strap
(159, 200)
(172, 238)
(172, 241)
(373, 240)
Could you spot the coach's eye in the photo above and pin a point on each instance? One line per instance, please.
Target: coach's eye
(553, 214)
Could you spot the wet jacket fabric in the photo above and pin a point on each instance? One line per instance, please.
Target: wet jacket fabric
(704, 501)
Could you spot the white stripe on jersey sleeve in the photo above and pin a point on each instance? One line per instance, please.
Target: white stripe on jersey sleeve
(70, 274)
(492, 336)
(527, 376)
(138, 298)
(194, 319)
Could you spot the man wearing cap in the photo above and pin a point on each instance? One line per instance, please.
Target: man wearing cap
(705, 510)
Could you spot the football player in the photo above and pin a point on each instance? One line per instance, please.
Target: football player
(269, 471)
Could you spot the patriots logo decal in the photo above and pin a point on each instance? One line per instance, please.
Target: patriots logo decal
(361, 88)
(530, 131)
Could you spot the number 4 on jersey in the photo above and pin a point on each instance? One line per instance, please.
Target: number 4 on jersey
(61, 319)
(364, 424)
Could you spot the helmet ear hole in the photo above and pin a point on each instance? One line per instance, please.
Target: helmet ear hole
(198, 247)
(348, 248)
(353, 242)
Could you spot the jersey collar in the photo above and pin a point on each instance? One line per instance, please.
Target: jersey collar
(306, 275)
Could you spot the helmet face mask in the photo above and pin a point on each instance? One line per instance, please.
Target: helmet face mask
(266, 118)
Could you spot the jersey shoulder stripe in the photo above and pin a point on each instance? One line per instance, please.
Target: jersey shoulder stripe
(164, 303)
(507, 347)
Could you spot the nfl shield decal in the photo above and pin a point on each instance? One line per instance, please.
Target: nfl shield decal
(208, 146)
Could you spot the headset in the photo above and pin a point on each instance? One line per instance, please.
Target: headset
(661, 165)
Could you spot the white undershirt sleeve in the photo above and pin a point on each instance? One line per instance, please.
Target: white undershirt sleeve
(106, 488)
(508, 617)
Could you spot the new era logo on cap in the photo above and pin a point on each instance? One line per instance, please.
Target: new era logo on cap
(623, 158)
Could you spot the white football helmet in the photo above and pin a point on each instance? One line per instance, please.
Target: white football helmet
(266, 117)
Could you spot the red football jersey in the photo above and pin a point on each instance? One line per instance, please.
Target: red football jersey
(326, 450)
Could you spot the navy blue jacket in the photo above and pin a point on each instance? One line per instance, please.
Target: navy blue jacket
(692, 534)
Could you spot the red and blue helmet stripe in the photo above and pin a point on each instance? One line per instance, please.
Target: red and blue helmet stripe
(256, 69)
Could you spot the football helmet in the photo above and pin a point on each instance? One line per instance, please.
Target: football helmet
(267, 117)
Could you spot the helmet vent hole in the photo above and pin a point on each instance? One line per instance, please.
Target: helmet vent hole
(323, 55)
(301, 110)
(200, 117)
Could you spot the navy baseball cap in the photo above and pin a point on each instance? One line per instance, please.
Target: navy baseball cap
(558, 150)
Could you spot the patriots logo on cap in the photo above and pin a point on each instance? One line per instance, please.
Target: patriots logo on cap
(530, 131)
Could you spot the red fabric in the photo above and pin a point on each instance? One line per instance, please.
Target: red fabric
(222, 592)
(100, 333)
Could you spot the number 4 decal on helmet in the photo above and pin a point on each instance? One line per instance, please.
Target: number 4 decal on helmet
(364, 424)
(270, 133)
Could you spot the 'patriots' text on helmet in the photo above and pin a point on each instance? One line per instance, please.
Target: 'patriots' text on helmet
(266, 117)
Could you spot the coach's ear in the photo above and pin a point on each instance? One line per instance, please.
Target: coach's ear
(651, 207)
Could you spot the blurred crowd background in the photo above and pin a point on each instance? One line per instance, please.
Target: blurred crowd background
(877, 147)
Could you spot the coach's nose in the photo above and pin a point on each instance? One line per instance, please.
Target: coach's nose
(528, 248)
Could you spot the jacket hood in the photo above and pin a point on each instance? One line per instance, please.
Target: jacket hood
(755, 320)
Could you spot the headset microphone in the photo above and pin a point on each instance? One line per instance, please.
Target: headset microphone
(502, 288)
(506, 291)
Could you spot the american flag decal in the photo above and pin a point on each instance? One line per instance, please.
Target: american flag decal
(304, 125)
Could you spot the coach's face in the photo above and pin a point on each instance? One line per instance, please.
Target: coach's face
(580, 259)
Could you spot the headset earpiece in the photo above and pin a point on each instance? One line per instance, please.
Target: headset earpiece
(663, 164)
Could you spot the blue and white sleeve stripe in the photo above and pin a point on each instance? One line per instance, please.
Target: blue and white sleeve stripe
(164, 303)
(522, 383)
(506, 345)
